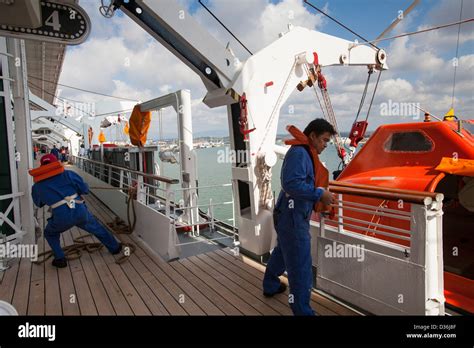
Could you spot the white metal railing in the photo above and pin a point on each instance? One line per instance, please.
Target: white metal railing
(5, 219)
(149, 191)
(408, 241)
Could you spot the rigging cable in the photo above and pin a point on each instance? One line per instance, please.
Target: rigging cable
(217, 19)
(81, 89)
(364, 94)
(457, 52)
(63, 100)
(331, 117)
(415, 32)
(338, 22)
(66, 99)
(373, 95)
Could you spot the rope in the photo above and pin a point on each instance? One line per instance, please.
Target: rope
(265, 181)
(118, 226)
(327, 115)
(330, 117)
(132, 194)
(319, 101)
(74, 251)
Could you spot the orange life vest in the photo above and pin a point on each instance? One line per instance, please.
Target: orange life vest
(139, 125)
(46, 171)
(321, 174)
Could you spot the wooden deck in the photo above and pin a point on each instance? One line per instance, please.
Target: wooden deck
(216, 283)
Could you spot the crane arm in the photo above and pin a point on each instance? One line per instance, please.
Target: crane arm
(182, 35)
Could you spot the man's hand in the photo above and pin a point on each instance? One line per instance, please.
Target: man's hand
(327, 198)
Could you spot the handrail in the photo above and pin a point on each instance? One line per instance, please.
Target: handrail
(368, 206)
(373, 212)
(433, 195)
(395, 196)
(11, 195)
(145, 175)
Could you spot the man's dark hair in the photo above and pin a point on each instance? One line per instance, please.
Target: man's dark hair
(319, 126)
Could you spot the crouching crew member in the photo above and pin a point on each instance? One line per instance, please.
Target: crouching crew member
(61, 190)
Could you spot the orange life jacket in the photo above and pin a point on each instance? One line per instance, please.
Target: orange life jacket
(139, 124)
(321, 174)
(46, 171)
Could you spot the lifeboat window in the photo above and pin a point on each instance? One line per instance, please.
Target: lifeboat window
(409, 142)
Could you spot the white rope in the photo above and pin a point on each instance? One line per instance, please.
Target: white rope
(265, 181)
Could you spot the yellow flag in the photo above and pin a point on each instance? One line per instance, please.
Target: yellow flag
(449, 115)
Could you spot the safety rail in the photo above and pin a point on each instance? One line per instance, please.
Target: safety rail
(398, 234)
(208, 206)
(5, 219)
(166, 200)
(401, 216)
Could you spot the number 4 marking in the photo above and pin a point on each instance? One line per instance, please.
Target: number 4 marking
(53, 21)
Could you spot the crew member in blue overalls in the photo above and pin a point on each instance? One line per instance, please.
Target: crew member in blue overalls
(292, 212)
(62, 192)
(55, 151)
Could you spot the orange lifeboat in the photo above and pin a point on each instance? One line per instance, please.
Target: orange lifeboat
(430, 157)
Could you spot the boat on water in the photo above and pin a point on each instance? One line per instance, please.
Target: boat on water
(396, 242)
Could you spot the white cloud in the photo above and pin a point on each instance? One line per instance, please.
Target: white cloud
(411, 57)
(120, 58)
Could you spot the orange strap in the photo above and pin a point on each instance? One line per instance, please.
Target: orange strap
(321, 174)
(139, 125)
(46, 171)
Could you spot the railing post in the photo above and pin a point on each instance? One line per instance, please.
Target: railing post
(194, 202)
(211, 212)
(340, 212)
(426, 249)
(121, 178)
(141, 195)
(168, 197)
(110, 173)
(322, 226)
(3, 265)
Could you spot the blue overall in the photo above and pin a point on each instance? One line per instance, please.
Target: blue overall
(54, 189)
(291, 217)
(55, 152)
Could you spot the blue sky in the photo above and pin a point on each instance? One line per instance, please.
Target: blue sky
(420, 66)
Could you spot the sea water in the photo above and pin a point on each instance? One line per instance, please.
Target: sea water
(212, 172)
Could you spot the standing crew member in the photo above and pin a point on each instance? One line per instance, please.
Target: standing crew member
(61, 190)
(55, 151)
(303, 181)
